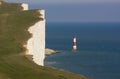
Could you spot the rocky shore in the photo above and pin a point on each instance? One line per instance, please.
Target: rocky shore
(50, 51)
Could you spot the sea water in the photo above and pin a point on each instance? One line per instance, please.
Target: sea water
(98, 48)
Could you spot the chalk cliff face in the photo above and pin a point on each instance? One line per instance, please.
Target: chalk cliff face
(36, 44)
(25, 6)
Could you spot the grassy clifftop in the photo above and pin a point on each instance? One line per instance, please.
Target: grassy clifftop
(9, 7)
(13, 34)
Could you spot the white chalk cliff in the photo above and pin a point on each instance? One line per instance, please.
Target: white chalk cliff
(25, 6)
(36, 44)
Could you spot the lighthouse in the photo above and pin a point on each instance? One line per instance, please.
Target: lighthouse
(74, 43)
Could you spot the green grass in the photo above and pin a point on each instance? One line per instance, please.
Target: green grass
(10, 7)
(13, 34)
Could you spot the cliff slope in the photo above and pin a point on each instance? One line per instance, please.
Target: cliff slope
(14, 24)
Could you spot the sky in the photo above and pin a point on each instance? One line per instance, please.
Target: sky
(77, 10)
(65, 1)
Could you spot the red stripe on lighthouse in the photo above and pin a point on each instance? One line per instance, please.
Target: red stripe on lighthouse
(74, 43)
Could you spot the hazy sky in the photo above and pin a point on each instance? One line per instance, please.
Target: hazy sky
(77, 10)
(65, 1)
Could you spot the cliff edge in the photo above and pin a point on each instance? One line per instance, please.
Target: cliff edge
(15, 20)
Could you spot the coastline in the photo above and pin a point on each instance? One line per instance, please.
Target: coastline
(49, 51)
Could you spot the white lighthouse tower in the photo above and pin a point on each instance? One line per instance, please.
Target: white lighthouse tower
(74, 43)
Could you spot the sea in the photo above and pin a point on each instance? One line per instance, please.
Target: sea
(98, 48)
